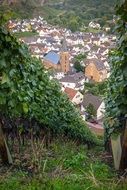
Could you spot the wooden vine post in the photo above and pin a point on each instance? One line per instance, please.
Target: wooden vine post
(4, 150)
(119, 149)
(123, 162)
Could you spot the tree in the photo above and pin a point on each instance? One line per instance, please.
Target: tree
(81, 57)
(97, 89)
(91, 111)
(73, 25)
(78, 62)
(78, 67)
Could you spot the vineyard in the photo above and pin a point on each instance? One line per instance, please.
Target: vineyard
(44, 143)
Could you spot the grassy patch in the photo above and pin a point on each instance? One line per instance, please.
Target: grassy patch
(64, 165)
(92, 30)
(25, 34)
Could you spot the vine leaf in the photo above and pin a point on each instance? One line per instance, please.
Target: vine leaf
(5, 78)
(25, 108)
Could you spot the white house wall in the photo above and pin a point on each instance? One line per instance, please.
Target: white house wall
(69, 85)
(78, 98)
(100, 111)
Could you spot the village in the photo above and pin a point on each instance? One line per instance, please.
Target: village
(57, 48)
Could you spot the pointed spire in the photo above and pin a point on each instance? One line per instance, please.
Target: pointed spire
(64, 45)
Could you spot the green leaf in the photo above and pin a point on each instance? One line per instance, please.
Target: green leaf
(5, 78)
(2, 99)
(12, 72)
(25, 108)
(2, 63)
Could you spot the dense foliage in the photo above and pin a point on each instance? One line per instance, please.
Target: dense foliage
(91, 111)
(96, 88)
(116, 100)
(84, 11)
(78, 62)
(26, 91)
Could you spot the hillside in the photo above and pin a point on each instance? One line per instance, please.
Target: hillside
(39, 168)
(68, 13)
(87, 10)
(50, 145)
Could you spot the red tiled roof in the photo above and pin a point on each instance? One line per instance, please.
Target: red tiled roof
(70, 92)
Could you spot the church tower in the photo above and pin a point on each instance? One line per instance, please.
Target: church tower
(64, 57)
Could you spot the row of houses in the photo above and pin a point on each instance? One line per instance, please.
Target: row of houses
(57, 47)
(49, 38)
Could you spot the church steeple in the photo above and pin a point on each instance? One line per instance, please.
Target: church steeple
(64, 57)
(64, 45)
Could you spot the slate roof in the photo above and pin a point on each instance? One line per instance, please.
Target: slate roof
(75, 78)
(78, 76)
(30, 39)
(50, 40)
(78, 85)
(52, 57)
(91, 99)
(98, 63)
(67, 79)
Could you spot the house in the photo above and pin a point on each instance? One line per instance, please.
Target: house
(75, 96)
(75, 81)
(94, 25)
(59, 62)
(96, 102)
(68, 81)
(96, 41)
(95, 70)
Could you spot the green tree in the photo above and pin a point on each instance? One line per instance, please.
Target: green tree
(78, 62)
(80, 57)
(78, 67)
(73, 25)
(91, 111)
(97, 89)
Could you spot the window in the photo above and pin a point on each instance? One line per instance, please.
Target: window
(77, 96)
(65, 58)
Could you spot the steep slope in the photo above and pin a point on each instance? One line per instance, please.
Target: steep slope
(83, 11)
(64, 12)
(21, 8)
(63, 166)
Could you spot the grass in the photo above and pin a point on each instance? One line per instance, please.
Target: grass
(92, 30)
(25, 34)
(63, 165)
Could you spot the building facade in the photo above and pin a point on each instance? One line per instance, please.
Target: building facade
(96, 71)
